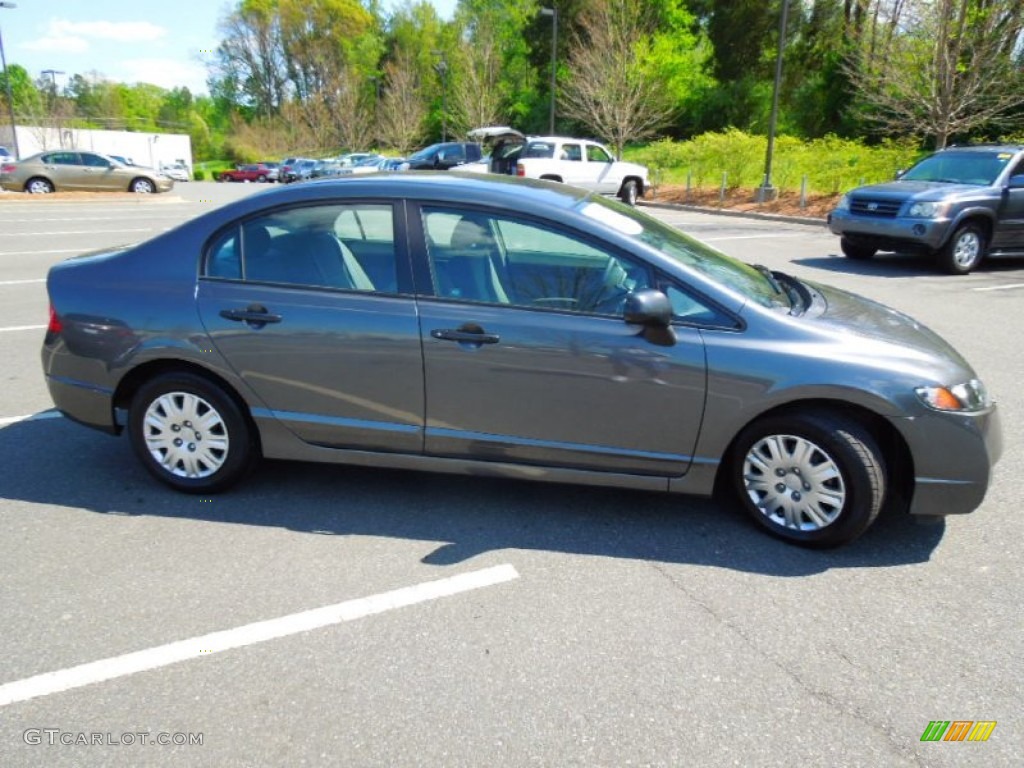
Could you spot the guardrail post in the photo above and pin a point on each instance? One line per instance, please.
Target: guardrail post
(803, 192)
(689, 174)
(721, 192)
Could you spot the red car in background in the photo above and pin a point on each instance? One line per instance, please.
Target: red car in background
(258, 172)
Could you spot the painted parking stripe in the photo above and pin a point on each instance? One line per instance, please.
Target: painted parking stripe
(1009, 287)
(103, 231)
(8, 420)
(250, 634)
(23, 282)
(22, 328)
(750, 237)
(32, 253)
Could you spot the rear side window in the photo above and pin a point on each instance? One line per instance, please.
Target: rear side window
(539, 149)
(342, 246)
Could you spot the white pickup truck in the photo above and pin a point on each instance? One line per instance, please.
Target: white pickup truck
(579, 162)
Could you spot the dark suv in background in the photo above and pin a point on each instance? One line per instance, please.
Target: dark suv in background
(444, 156)
(960, 204)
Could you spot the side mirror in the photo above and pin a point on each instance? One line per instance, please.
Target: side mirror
(899, 173)
(1016, 182)
(648, 307)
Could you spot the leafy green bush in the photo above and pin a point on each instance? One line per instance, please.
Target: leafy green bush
(198, 175)
(830, 164)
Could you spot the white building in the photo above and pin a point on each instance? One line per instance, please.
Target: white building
(151, 149)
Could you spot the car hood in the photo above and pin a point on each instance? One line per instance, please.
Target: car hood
(918, 190)
(889, 338)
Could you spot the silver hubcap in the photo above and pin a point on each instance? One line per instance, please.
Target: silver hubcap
(793, 482)
(144, 187)
(185, 435)
(967, 247)
(38, 188)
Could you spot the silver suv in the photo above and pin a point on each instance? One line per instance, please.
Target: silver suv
(960, 204)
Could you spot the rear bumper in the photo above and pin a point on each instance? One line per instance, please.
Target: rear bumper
(84, 403)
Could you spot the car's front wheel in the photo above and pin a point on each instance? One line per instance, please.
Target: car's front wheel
(814, 479)
(142, 187)
(856, 251)
(964, 251)
(190, 434)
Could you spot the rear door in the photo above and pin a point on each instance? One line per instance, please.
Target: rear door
(1009, 231)
(322, 347)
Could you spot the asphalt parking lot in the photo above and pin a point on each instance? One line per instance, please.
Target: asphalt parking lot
(320, 615)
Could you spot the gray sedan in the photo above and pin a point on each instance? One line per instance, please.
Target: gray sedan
(495, 326)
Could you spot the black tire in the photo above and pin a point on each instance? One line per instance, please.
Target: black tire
(261, 179)
(856, 251)
(782, 472)
(965, 250)
(199, 463)
(37, 185)
(142, 186)
(629, 192)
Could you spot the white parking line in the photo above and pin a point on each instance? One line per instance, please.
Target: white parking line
(8, 420)
(23, 282)
(32, 253)
(258, 632)
(103, 231)
(1009, 287)
(750, 237)
(22, 328)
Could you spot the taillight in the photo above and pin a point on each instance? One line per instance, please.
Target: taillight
(55, 325)
(520, 171)
(8, 168)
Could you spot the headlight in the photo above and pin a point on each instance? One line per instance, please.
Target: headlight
(926, 210)
(843, 204)
(967, 397)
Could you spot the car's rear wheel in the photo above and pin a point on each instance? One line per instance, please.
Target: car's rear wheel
(142, 187)
(629, 192)
(964, 251)
(39, 186)
(261, 179)
(814, 479)
(857, 251)
(190, 434)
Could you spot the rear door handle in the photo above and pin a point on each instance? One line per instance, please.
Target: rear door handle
(465, 336)
(255, 315)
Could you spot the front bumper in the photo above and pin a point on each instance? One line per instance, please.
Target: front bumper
(953, 455)
(890, 233)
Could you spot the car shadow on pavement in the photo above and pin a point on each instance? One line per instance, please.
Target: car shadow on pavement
(99, 474)
(900, 265)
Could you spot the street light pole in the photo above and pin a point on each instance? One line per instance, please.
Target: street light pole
(10, 94)
(553, 13)
(442, 69)
(766, 191)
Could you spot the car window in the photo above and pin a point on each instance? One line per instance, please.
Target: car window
(572, 152)
(94, 161)
(340, 246)
(539, 149)
(596, 154)
(62, 158)
(960, 167)
(503, 260)
(688, 308)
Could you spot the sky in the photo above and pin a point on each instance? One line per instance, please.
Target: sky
(162, 42)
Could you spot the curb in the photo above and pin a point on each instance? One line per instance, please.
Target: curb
(811, 221)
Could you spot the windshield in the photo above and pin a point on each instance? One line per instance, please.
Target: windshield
(725, 270)
(980, 168)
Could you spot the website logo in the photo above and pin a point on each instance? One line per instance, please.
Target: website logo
(958, 730)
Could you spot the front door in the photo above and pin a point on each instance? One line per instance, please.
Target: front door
(527, 358)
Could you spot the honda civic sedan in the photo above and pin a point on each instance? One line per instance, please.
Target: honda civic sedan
(495, 326)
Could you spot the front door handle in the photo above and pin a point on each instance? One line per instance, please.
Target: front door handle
(255, 314)
(466, 335)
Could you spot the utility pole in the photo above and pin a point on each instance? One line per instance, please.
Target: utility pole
(553, 13)
(10, 93)
(766, 191)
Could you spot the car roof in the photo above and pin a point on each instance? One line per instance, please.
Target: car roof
(983, 148)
